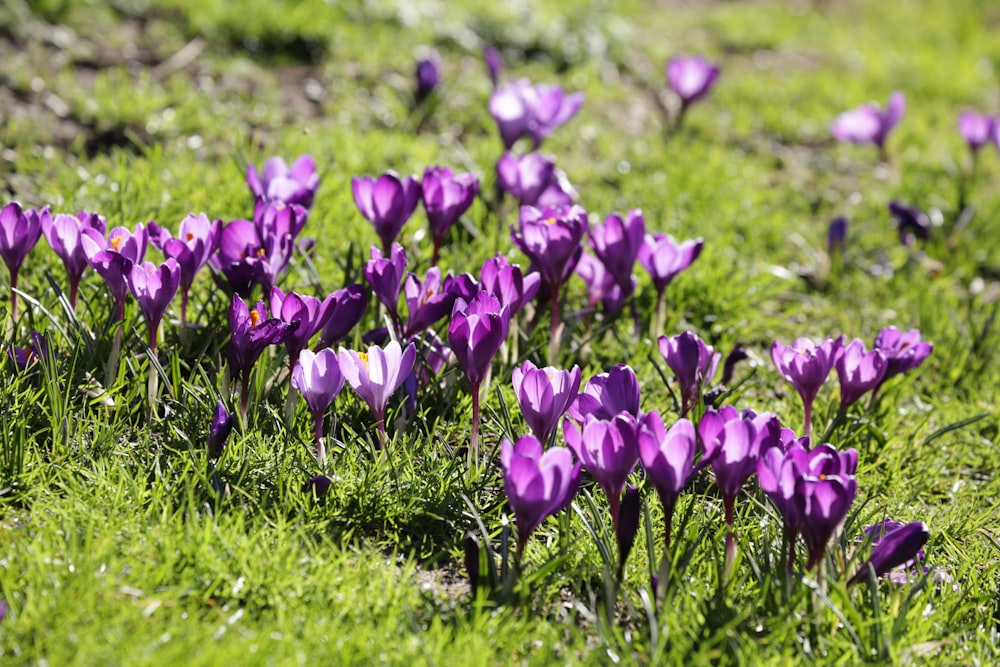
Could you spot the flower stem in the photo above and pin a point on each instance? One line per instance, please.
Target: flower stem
(13, 296)
(807, 427)
(554, 329)
(730, 561)
(474, 439)
(383, 437)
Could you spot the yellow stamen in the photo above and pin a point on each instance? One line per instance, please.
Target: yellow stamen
(254, 318)
(260, 252)
(116, 242)
(550, 221)
(363, 356)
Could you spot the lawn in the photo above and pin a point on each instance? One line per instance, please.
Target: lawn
(122, 541)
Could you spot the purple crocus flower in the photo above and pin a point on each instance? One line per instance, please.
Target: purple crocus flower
(20, 230)
(538, 483)
(311, 313)
(219, 430)
(525, 177)
(239, 257)
(903, 350)
(806, 365)
(668, 459)
(664, 258)
(113, 258)
(494, 64)
(836, 235)
(385, 275)
(690, 77)
(552, 238)
(859, 371)
(522, 109)
(868, 124)
(376, 375)
(154, 287)
(428, 76)
(465, 286)
(387, 202)
(63, 231)
(560, 192)
(544, 395)
(608, 449)
(608, 394)
(196, 241)
(506, 282)
(692, 361)
(617, 243)
(24, 358)
(446, 197)
(256, 253)
(977, 129)
(319, 379)
(911, 222)
(729, 366)
(427, 301)
(894, 545)
(279, 182)
(252, 332)
(601, 285)
(823, 502)
(347, 307)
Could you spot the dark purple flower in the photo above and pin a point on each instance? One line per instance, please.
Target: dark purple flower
(63, 232)
(219, 430)
(691, 77)
(977, 129)
(154, 287)
(823, 502)
(525, 177)
(318, 486)
(904, 351)
(252, 332)
(628, 526)
(538, 483)
(465, 286)
(806, 365)
(552, 239)
(894, 544)
(387, 202)
(24, 358)
(113, 258)
(319, 379)
(311, 313)
(608, 449)
(911, 222)
(544, 395)
(601, 285)
(868, 123)
(279, 182)
(692, 361)
(385, 275)
(617, 243)
(729, 367)
(522, 109)
(664, 258)
(427, 301)
(608, 394)
(196, 242)
(734, 441)
(20, 230)
(836, 235)
(476, 332)
(494, 64)
(428, 76)
(859, 371)
(506, 282)
(347, 307)
(446, 198)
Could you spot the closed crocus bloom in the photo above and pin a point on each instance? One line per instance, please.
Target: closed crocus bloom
(319, 379)
(465, 286)
(476, 332)
(427, 301)
(552, 239)
(252, 332)
(691, 77)
(806, 365)
(894, 545)
(664, 258)
(868, 124)
(113, 257)
(522, 109)
(385, 275)
(859, 371)
(538, 483)
(196, 241)
(347, 307)
(279, 182)
(427, 76)
(63, 233)
(494, 64)
(544, 395)
(977, 129)
(617, 243)
(608, 449)
(506, 282)
(823, 502)
(608, 394)
(20, 230)
(735, 441)
(219, 430)
(836, 235)
(912, 223)
(903, 350)
(601, 285)
(375, 375)
(310, 312)
(525, 177)
(692, 361)
(387, 202)
(154, 287)
(446, 197)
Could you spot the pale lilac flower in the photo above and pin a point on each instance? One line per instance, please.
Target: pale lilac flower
(870, 124)
(691, 77)
(693, 363)
(279, 182)
(859, 371)
(63, 233)
(376, 375)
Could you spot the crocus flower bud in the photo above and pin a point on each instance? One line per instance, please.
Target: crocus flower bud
(20, 230)
(868, 123)
(476, 332)
(729, 367)
(911, 222)
(387, 202)
(219, 430)
(318, 486)
(385, 275)
(892, 547)
(977, 129)
(428, 76)
(691, 77)
(544, 394)
(806, 365)
(279, 182)
(823, 502)
(608, 449)
(347, 307)
(494, 64)
(903, 350)
(506, 282)
(154, 287)
(617, 243)
(836, 235)
(859, 371)
(319, 379)
(446, 197)
(628, 526)
(525, 177)
(608, 394)
(692, 361)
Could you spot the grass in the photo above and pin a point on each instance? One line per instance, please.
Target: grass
(123, 544)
